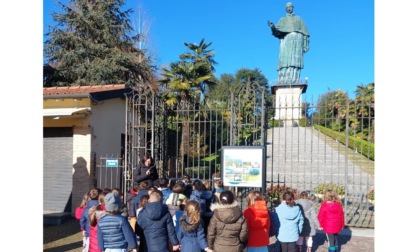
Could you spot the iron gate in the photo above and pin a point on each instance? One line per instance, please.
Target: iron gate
(301, 154)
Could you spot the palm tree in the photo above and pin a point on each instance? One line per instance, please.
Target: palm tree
(185, 83)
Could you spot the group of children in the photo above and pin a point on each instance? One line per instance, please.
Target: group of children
(190, 216)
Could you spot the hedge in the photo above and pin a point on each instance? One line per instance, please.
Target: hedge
(364, 147)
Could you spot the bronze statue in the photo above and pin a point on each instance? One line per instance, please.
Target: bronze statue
(294, 42)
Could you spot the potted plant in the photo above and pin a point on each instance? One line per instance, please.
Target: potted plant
(371, 196)
(275, 193)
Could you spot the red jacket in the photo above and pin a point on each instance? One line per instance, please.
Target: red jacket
(331, 217)
(258, 221)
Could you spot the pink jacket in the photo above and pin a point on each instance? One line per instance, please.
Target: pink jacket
(331, 217)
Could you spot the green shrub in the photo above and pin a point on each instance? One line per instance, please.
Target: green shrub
(304, 122)
(323, 187)
(362, 146)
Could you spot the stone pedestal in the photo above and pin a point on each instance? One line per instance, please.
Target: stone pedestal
(288, 102)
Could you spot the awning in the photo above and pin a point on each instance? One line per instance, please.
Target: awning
(54, 112)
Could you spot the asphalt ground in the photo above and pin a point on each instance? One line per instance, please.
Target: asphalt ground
(67, 237)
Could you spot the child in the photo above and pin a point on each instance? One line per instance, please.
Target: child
(95, 213)
(132, 216)
(258, 221)
(205, 198)
(191, 232)
(310, 223)
(331, 218)
(78, 214)
(138, 230)
(162, 185)
(291, 222)
(187, 185)
(218, 188)
(84, 220)
(157, 224)
(227, 230)
(79, 210)
(101, 199)
(124, 208)
(113, 231)
(174, 200)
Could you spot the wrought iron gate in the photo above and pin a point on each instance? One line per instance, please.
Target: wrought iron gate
(302, 156)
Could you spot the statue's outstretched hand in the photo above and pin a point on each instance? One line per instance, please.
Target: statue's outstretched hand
(270, 24)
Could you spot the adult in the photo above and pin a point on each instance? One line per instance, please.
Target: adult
(145, 170)
(294, 42)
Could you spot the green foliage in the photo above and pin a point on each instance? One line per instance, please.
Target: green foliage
(323, 187)
(304, 122)
(361, 146)
(371, 195)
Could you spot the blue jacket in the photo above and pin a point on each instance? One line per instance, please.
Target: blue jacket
(114, 231)
(291, 222)
(191, 236)
(165, 192)
(158, 227)
(205, 199)
(84, 220)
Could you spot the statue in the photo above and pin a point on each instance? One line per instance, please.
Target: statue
(294, 41)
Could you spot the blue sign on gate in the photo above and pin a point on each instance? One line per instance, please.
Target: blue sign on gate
(111, 163)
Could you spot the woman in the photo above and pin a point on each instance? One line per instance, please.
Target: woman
(145, 170)
(227, 230)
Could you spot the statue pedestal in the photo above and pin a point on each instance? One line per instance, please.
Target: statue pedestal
(288, 102)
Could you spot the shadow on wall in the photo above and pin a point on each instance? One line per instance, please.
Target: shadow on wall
(81, 180)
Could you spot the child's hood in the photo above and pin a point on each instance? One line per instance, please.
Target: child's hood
(155, 210)
(334, 207)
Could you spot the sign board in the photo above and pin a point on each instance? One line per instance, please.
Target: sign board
(111, 163)
(243, 166)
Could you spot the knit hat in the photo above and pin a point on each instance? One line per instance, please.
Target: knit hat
(112, 202)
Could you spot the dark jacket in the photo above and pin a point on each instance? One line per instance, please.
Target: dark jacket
(130, 203)
(114, 231)
(84, 220)
(158, 227)
(140, 173)
(137, 198)
(191, 236)
(227, 230)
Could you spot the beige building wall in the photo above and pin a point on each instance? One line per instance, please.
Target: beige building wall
(108, 124)
(82, 164)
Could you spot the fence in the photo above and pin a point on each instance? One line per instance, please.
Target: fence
(330, 144)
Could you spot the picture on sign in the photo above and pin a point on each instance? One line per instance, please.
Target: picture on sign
(243, 166)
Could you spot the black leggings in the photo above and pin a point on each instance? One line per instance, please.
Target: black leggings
(288, 246)
(332, 240)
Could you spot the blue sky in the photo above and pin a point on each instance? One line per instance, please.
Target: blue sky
(341, 54)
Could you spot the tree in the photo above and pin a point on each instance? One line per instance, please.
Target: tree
(185, 82)
(331, 110)
(92, 44)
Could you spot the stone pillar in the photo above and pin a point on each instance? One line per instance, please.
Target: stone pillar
(288, 102)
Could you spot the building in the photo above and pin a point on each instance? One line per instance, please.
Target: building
(80, 124)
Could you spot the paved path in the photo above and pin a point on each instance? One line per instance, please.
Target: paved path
(67, 237)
